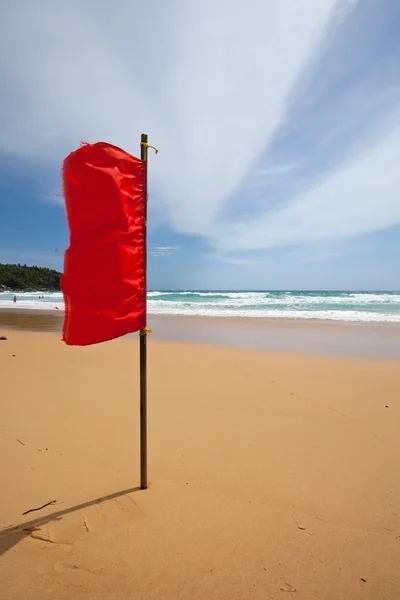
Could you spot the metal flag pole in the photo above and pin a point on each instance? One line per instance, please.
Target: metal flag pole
(143, 332)
(143, 339)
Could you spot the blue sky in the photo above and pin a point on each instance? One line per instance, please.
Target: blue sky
(278, 126)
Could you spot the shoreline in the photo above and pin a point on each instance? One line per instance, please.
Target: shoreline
(59, 314)
(312, 337)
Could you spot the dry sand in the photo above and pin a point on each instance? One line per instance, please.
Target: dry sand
(271, 476)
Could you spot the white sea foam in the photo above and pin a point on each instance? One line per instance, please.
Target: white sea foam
(329, 315)
(353, 306)
(155, 294)
(30, 300)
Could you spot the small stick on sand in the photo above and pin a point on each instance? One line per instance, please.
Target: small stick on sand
(40, 507)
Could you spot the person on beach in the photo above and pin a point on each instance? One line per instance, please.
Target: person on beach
(15, 299)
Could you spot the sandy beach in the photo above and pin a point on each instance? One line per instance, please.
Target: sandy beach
(272, 475)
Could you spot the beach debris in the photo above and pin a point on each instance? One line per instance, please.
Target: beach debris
(302, 528)
(22, 443)
(387, 406)
(41, 449)
(287, 588)
(363, 580)
(40, 507)
(3, 338)
(14, 355)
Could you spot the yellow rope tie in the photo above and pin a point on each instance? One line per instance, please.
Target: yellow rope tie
(148, 146)
(145, 331)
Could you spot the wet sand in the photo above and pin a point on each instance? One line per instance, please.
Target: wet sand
(31, 320)
(271, 475)
(327, 338)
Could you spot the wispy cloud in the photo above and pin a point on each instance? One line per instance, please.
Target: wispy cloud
(164, 250)
(239, 261)
(272, 174)
(285, 97)
(359, 197)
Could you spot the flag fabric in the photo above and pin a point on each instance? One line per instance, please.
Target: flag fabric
(104, 267)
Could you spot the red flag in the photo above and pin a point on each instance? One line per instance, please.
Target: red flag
(104, 267)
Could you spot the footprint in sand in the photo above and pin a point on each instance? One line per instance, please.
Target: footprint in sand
(44, 535)
(123, 508)
(78, 526)
(65, 531)
(52, 536)
(64, 566)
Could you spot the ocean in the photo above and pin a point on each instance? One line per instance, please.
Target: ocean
(368, 307)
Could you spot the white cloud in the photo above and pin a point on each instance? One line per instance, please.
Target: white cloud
(211, 82)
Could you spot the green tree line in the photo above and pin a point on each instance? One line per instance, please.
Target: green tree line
(20, 278)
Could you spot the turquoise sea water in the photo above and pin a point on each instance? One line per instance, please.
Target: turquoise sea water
(338, 306)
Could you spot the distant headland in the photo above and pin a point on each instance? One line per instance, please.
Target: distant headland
(21, 278)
